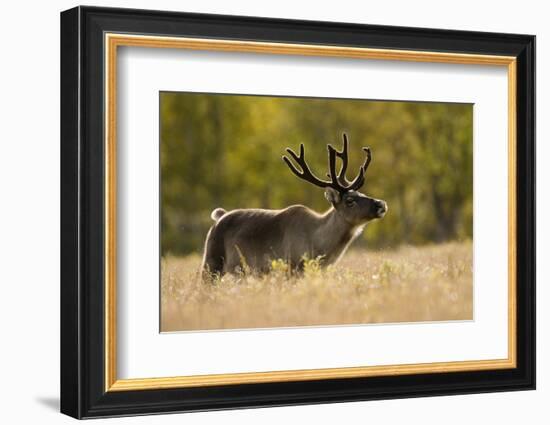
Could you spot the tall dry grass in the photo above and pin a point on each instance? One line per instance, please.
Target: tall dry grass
(409, 284)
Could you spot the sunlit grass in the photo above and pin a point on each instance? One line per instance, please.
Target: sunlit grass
(409, 284)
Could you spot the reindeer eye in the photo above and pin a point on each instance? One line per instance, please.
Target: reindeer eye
(350, 202)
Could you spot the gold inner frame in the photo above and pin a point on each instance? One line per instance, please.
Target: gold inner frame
(113, 41)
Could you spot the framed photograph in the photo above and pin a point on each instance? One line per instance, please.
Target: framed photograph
(260, 212)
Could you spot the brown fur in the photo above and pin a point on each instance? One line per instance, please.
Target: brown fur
(252, 238)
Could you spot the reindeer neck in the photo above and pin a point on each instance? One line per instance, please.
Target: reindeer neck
(333, 235)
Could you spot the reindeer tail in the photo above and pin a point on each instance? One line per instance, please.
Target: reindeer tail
(217, 214)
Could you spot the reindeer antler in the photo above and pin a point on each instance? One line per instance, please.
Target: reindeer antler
(337, 181)
(306, 173)
(344, 157)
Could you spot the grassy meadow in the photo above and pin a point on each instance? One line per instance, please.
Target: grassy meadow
(406, 284)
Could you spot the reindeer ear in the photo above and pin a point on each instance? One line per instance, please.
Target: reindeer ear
(332, 195)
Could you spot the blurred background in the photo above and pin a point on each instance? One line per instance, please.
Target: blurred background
(225, 151)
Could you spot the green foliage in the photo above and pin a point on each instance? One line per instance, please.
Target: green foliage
(280, 266)
(225, 151)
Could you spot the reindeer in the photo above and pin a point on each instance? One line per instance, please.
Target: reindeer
(252, 238)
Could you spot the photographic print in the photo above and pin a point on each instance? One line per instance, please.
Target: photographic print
(329, 194)
(295, 211)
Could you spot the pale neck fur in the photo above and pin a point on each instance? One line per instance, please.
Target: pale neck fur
(333, 235)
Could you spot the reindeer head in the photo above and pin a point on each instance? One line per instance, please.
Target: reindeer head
(355, 207)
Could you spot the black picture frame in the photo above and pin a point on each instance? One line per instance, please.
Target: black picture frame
(83, 392)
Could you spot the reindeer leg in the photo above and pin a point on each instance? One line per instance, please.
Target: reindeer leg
(213, 260)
